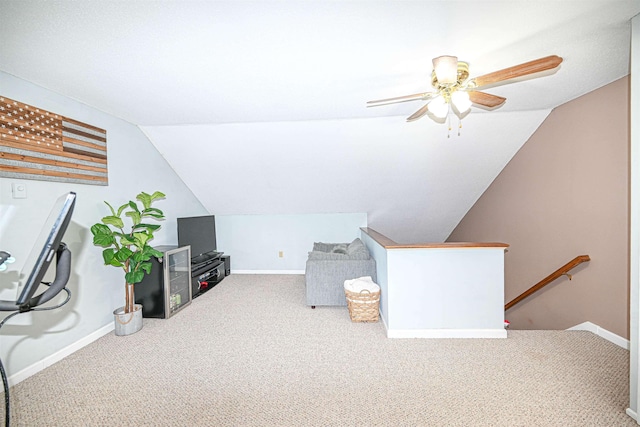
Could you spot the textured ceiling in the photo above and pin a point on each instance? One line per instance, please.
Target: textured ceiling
(162, 64)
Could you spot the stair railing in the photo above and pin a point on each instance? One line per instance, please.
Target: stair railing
(564, 270)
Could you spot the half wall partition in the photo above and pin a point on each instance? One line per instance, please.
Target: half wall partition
(439, 290)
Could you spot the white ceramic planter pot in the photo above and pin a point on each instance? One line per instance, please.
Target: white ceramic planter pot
(128, 323)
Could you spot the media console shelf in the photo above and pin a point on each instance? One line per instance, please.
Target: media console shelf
(206, 275)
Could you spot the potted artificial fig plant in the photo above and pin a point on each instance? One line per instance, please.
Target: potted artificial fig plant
(129, 250)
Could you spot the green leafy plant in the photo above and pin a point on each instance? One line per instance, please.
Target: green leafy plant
(129, 250)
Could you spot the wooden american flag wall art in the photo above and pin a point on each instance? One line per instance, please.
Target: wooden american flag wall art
(38, 144)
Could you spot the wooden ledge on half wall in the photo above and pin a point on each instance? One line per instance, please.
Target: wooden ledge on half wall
(387, 243)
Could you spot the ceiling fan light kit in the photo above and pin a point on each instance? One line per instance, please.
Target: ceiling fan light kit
(455, 93)
(446, 69)
(439, 107)
(461, 101)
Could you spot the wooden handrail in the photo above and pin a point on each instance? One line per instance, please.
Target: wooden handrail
(387, 243)
(550, 278)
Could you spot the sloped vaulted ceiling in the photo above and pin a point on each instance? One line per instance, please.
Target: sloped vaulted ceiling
(260, 106)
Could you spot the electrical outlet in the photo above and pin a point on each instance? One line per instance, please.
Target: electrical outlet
(280, 254)
(19, 190)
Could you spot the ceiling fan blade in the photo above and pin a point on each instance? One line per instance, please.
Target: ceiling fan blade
(486, 99)
(421, 112)
(531, 67)
(415, 96)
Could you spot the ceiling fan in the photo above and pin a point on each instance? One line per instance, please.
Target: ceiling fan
(454, 91)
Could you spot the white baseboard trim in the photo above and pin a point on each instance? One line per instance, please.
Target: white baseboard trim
(609, 336)
(442, 333)
(447, 333)
(632, 414)
(267, 271)
(59, 355)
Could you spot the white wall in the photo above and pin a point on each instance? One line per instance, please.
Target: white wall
(254, 242)
(379, 253)
(634, 215)
(134, 166)
(445, 289)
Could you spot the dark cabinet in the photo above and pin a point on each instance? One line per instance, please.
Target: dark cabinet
(167, 289)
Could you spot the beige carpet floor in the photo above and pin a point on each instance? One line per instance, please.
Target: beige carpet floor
(250, 353)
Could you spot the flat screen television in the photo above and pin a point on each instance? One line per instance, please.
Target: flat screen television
(200, 233)
(45, 247)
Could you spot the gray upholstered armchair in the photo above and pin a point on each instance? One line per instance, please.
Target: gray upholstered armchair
(329, 265)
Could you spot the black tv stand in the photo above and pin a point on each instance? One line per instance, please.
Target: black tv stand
(207, 264)
(207, 270)
(205, 257)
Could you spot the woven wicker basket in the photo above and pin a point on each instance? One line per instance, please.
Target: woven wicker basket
(363, 306)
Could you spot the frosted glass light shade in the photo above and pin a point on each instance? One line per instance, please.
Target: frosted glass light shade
(439, 107)
(461, 101)
(446, 69)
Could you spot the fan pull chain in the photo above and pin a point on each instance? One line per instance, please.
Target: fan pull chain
(459, 125)
(449, 126)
